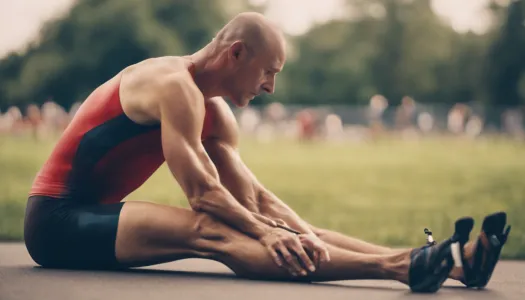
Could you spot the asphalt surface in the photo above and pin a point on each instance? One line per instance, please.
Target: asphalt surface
(21, 279)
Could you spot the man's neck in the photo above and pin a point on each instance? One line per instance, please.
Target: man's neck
(207, 75)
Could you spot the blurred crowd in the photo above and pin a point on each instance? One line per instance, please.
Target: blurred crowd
(408, 120)
(43, 122)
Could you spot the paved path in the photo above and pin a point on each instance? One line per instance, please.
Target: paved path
(195, 279)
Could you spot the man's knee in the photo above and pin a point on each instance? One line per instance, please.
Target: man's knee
(208, 227)
(214, 236)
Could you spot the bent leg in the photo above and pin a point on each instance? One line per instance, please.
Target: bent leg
(150, 233)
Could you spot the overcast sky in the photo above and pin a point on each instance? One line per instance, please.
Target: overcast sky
(20, 20)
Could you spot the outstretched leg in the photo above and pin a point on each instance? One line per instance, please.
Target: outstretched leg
(479, 248)
(352, 244)
(150, 233)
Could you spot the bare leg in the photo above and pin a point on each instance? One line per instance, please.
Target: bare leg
(150, 233)
(353, 244)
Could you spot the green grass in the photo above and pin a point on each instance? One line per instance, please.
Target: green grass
(384, 192)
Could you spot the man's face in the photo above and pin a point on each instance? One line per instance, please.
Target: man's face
(255, 74)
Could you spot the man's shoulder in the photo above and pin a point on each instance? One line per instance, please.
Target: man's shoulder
(155, 83)
(224, 122)
(220, 109)
(160, 72)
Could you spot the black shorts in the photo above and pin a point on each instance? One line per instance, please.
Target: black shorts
(60, 233)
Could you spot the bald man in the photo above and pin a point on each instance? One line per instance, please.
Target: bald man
(170, 109)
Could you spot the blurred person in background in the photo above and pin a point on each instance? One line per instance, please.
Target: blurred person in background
(170, 109)
(405, 114)
(457, 118)
(54, 117)
(34, 120)
(13, 121)
(333, 128)
(513, 123)
(377, 106)
(307, 122)
(74, 109)
(249, 120)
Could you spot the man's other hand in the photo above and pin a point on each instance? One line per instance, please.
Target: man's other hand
(314, 245)
(287, 251)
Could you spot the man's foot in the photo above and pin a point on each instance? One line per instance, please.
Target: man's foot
(483, 255)
(431, 265)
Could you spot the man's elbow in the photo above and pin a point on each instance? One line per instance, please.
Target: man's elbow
(208, 199)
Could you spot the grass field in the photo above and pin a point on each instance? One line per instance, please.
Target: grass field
(385, 192)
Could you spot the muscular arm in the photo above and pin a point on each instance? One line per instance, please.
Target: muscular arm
(181, 126)
(245, 187)
(241, 182)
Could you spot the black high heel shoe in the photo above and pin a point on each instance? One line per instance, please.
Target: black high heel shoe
(492, 238)
(430, 265)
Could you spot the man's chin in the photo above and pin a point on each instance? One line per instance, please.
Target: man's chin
(241, 102)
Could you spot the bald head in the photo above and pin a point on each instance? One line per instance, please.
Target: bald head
(255, 31)
(246, 55)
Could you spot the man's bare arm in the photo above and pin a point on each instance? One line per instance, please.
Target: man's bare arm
(245, 187)
(181, 126)
(241, 182)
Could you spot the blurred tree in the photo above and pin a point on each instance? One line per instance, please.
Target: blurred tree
(505, 64)
(10, 68)
(96, 39)
(393, 48)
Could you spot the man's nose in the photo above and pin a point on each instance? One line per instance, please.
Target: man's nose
(269, 87)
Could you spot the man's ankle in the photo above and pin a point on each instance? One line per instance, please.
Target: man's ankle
(456, 274)
(396, 266)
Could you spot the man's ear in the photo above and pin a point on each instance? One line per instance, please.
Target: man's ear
(238, 51)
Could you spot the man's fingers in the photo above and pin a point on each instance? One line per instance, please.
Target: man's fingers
(304, 257)
(275, 256)
(290, 259)
(323, 252)
(316, 258)
(318, 248)
(325, 255)
(265, 220)
(281, 222)
(307, 243)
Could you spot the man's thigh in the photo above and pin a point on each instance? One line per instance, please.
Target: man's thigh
(150, 233)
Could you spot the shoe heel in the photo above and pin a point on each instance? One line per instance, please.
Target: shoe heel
(463, 227)
(494, 224)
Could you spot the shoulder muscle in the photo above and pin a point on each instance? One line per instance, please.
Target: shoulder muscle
(224, 122)
(181, 105)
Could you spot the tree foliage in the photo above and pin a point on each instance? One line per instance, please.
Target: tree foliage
(393, 48)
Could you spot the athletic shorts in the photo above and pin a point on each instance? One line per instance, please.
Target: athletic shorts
(60, 233)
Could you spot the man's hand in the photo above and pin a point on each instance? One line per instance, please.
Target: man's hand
(287, 251)
(313, 244)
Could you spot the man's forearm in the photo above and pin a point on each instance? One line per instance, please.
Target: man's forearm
(273, 207)
(221, 204)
